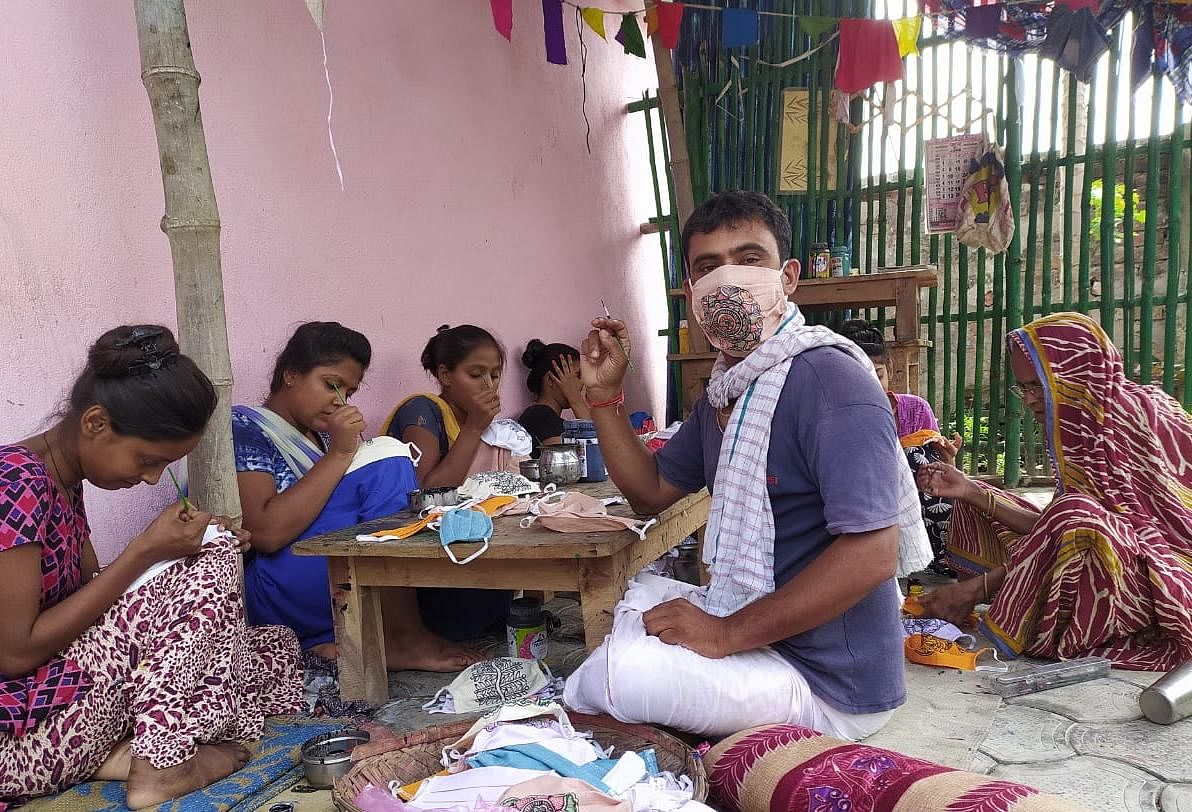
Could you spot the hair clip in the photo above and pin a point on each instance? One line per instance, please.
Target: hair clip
(140, 335)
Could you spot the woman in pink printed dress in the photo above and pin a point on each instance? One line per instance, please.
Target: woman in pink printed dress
(155, 685)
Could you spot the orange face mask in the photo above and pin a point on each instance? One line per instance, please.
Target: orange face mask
(490, 506)
(928, 650)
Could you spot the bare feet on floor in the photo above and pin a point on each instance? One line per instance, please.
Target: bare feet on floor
(327, 651)
(116, 765)
(426, 651)
(149, 786)
(953, 602)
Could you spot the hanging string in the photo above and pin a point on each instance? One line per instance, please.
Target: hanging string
(942, 13)
(583, 79)
(330, 104)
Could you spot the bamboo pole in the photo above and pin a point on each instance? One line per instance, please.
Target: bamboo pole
(191, 223)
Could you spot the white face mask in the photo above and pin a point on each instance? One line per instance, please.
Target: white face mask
(494, 682)
(739, 306)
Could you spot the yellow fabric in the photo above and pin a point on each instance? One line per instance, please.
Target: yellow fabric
(927, 649)
(906, 31)
(594, 17)
(450, 424)
(921, 437)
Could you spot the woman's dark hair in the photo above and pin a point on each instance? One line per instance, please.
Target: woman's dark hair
(867, 337)
(450, 345)
(540, 357)
(146, 385)
(317, 343)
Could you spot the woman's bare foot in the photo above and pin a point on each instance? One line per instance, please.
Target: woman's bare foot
(149, 786)
(327, 651)
(426, 651)
(953, 602)
(117, 764)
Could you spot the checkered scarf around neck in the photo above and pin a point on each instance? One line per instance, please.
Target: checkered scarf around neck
(741, 559)
(1126, 445)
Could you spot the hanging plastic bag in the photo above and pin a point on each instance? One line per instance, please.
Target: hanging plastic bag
(985, 219)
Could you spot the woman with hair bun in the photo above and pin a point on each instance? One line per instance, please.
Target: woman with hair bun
(154, 685)
(554, 381)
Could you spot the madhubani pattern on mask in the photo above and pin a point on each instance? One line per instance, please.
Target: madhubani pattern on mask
(497, 681)
(567, 802)
(733, 316)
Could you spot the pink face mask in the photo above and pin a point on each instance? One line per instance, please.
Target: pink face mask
(571, 512)
(739, 306)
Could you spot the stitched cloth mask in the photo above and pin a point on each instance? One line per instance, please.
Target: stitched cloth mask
(492, 683)
(573, 512)
(464, 525)
(739, 306)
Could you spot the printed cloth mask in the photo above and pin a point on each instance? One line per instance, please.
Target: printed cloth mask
(926, 649)
(464, 524)
(739, 306)
(516, 711)
(573, 512)
(492, 683)
(492, 483)
(510, 435)
(938, 628)
(551, 793)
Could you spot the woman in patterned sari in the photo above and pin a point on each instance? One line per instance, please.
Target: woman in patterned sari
(1106, 568)
(142, 671)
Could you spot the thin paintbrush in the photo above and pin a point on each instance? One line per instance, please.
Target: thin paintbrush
(621, 341)
(343, 401)
(185, 502)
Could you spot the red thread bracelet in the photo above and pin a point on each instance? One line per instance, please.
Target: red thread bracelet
(619, 400)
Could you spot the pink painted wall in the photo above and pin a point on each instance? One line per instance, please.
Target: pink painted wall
(470, 196)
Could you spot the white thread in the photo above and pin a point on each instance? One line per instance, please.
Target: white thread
(330, 104)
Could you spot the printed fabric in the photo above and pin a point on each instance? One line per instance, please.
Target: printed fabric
(172, 664)
(1107, 569)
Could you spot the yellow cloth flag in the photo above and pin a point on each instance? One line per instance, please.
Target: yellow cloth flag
(594, 17)
(906, 31)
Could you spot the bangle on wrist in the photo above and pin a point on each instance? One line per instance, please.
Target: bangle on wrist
(619, 400)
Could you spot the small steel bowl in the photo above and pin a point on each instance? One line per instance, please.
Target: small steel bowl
(529, 469)
(559, 464)
(326, 758)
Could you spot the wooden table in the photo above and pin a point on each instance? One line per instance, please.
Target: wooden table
(597, 565)
(896, 287)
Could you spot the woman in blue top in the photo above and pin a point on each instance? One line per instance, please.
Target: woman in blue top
(296, 456)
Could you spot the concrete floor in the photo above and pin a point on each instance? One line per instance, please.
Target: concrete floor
(1086, 742)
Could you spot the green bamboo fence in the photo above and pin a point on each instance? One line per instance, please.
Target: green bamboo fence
(1098, 183)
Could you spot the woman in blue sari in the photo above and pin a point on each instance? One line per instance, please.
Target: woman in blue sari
(299, 474)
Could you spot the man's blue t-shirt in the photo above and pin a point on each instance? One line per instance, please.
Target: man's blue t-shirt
(833, 469)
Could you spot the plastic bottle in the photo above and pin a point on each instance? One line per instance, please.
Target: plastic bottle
(525, 629)
(591, 461)
(684, 337)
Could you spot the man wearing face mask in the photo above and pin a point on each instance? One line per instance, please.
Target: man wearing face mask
(796, 441)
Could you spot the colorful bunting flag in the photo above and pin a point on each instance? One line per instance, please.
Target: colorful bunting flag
(651, 21)
(630, 35)
(594, 17)
(552, 27)
(670, 20)
(738, 27)
(906, 31)
(503, 17)
(817, 26)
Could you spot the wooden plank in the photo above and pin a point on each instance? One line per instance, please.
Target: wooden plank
(510, 541)
(602, 583)
(865, 290)
(359, 634)
(560, 574)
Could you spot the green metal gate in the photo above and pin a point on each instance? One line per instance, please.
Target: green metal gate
(1098, 177)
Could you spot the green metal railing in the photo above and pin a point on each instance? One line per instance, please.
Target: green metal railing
(1097, 175)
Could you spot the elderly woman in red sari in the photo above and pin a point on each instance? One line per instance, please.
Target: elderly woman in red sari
(1106, 568)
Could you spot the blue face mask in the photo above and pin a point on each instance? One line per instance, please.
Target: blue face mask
(464, 525)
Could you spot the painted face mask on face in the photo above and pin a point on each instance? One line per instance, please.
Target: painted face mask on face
(739, 306)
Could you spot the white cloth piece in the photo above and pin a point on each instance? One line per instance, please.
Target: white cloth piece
(510, 435)
(509, 712)
(211, 536)
(550, 735)
(382, 448)
(741, 560)
(485, 783)
(648, 797)
(629, 770)
(937, 627)
(637, 678)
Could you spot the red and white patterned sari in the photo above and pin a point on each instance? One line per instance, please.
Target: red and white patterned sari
(1107, 570)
